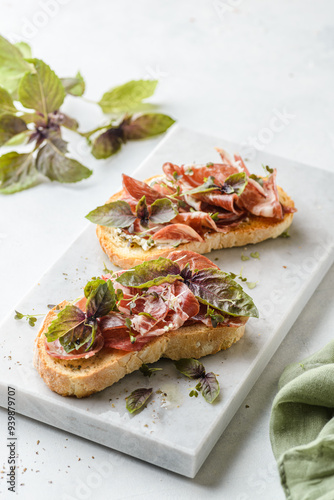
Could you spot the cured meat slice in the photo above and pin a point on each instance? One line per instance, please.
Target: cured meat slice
(137, 189)
(195, 260)
(176, 232)
(257, 204)
(120, 339)
(191, 176)
(200, 221)
(56, 350)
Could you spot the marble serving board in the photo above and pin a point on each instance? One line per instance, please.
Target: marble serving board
(175, 431)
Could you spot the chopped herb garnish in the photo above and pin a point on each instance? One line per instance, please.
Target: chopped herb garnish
(244, 257)
(255, 255)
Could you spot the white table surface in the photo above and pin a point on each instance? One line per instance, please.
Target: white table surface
(225, 68)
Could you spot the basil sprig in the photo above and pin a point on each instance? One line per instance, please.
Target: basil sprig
(119, 214)
(207, 384)
(235, 183)
(41, 93)
(73, 327)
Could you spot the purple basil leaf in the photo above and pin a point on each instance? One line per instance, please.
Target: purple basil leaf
(162, 211)
(107, 144)
(114, 214)
(150, 273)
(83, 334)
(137, 399)
(10, 126)
(101, 300)
(52, 162)
(191, 368)
(142, 211)
(210, 387)
(17, 172)
(146, 125)
(217, 289)
(68, 319)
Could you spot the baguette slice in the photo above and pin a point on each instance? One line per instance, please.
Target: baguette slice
(252, 230)
(83, 377)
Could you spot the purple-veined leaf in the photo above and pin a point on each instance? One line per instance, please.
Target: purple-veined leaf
(146, 125)
(137, 399)
(107, 143)
(68, 319)
(210, 387)
(115, 214)
(150, 273)
(191, 368)
(217, 289)
(162, 211)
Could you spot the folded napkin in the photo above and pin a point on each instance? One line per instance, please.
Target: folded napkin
(302, 427)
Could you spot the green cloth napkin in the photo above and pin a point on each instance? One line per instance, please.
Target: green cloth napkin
(302, 427)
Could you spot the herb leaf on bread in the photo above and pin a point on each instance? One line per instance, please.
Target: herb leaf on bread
(150, 273)
(217, 289)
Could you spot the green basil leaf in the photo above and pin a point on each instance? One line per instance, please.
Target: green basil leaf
(217, 289)
(137, 399)
(191, 368)
(68, 319)
(25, 49)
(162, 211)
(52, 162)
(237, 182)
(210, 387)
(106, 144)
(150, 273)
(148, 371)
(42, 90)
(12, 65)
(6, 102)
(17, 172)
(142, 211)
(114, 214)
(208, 186)
(147, 125)
(10, 126)
(101, 300)
(92, 285)
(74, 86)
(127, 96)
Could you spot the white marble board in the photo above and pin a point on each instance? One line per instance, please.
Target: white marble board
(175, 431)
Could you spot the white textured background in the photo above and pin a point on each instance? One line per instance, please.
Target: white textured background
(226, 68)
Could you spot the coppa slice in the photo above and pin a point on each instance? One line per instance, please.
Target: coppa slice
(192, 207)
(177, 307)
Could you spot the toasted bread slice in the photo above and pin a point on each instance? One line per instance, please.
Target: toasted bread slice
(82, 377)
(252, 230)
